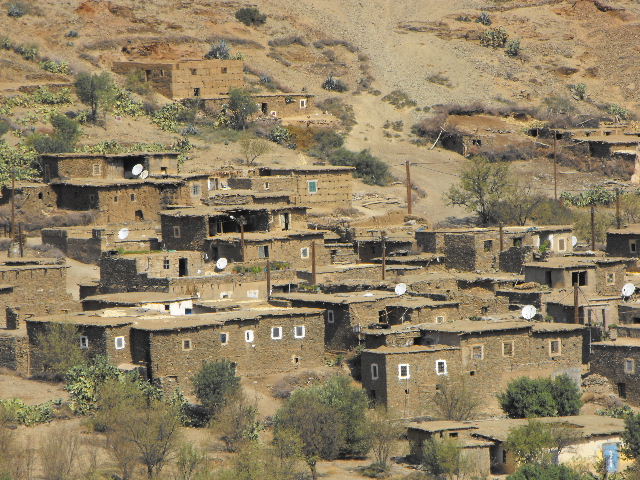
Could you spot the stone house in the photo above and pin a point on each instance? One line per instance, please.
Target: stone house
(594, 310)
(624, 242)
(618, 359)
(187, 78)
(31, 198)
(488, 353)
(605, 146)
(369, 247)
(417, 310)
(483, 441)
(594, 275)
(345, 314)
(277, 105)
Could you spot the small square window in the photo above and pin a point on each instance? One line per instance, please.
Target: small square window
(120, 343)
(299, 331)
(248, 336)
(276, 333)
(403, 371)
(263, 251)
(629, 365)
(133, 197)
(374, 371)
(441, 367)
(223, 70)
(312, 186)
(186, 344)
(196, 92)
(176, 231)
(488, 245)
(84, 342)
(562, 245)
(304, 252)
(166, 264)
(224, 338)
(195, 189)
(507, 349)
(579, 278)
(477, 352)
(555, 347)
(517, 242)
(266, 186)
(96, 169)
(633, 246)
(115, 199)
(440, 319)
(253, 293)
(330, 316)
(194, 71)
(611, 278)
(225, 295)
(303, 103)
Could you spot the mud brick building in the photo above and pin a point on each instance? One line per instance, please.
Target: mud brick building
(369, 246)
(594, 275)
(171, 349)
(618, 360)
(188, 78)
(624, 242)
(416, 310)
(272, 104)
(174, 304)
(488, 353)
(594, 310)
(31, 198)
(345, 314)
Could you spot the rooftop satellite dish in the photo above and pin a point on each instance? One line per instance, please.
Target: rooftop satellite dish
(206, 256)
(123, 233)
(369, 294)
(574, 240)
(628, 289)
(137, 169)
(400, 289)
(528, 312)
(144, 174)
(221, 263)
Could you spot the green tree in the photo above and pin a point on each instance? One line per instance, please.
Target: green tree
(238, 421)
(631, 437)
(385, 434)
(64, 138)
(58, 349)
(325, 142)
(547, 472)
(370, 169)
(253, 148)
(241, 106)
(445, 459)
(592, 198)
(527, 397)
(250, 16)
(532, 443)
(214, 383)
(481, 188)
(567, 395)
(18, 161)
(95, 90)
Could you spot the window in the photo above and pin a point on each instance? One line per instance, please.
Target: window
(622, 390)
(403, 371)
(162, 73)
(195, 189)
(304, 252)
(120, 343)
(507, 349)
(374, 371)
(133, 197)
(276, 333)
(517, 242)
(225, 295)
(579, 278)
(186, 344)
(299, 331)
(330, 316)
(92, 198)
(488, 245)
(224, 338)
(84, 342)
(440, 319)
(611, 278)
(196, 92)
(96, 169)
(248, 336)
(166, 264)
(115, 199)
(194, 71)
(633, 246)
(303, 103)
(266, 185)
(441, 367)
(312, 186)
(253, 293)
(555, 347)
(629, 365)
(477, 352)
(562, 244)
(263, 251)
(223, 70)
(176, 231)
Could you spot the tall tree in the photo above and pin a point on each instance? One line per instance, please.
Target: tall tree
(241, 106)
(95, 90)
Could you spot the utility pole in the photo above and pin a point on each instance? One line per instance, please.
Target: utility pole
(409, 196)
(313, 263)
(618, 219)
(501, 237)
(268, 278)
(593, 228)
(242, 221)
(13, 202)
(20, 240)
(384, 254)
(576, 307)
(555, 168)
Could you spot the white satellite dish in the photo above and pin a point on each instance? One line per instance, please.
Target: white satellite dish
(400, 289)
(206, 257)
(144, 174)
(123, 233)
(628, 289)
(574, 240)
(221, 263)
(369, 294)
(528, 312)
(137, 169)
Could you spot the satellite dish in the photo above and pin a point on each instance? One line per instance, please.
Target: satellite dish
(400, 289)
(528, 312)
(574, 240)
(628, 289)
(199, 271)
(144, 174)
(137, 169)
(123, 233)
(369, 294)
(206, 256)
(221, 263)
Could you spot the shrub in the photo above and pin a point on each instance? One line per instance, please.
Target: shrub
(286, 41)
(58, 349)
(135, 82)
(219, 51)
(214, 383)
(513, 48)
(72, 34)
(47, 97)
(339, 109)
(617, 111)
(326, 141)
(546, 472)
(250, 16)
(399, 99)
(494, 38)
(17, 9)
(14, 410)
(55, 66)
(484, 19)
(542, 397)
(334, 84)
(579, 91)
(370, 169)
(240, 107)
(281, 135)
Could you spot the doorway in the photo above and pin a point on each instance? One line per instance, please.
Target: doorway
(139, 215)
(264, 107)
(183, 270)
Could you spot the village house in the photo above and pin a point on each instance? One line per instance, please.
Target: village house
(624, 242)
(418, 310)
(171, 349)
(618, 360)
(489, 354)
(594, 310)
(369, 246)
(275, 105)
(484, 441)
(605, 146)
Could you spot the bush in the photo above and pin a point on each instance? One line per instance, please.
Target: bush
(370, 169)
(547, 472)
(45, 96)
(579, 91)
(282, 136)
(494, 38)
(14, 410)
(334, 84)
(339, 109)
(250, 16)
(619, 112)
(325, 142)
(72, 34)
(219, 51)
(513, 48)
(542, 397)
(214, 383)
(399, 99)
(17, 9)
(484, 19)
(55, 66)
(58, 349)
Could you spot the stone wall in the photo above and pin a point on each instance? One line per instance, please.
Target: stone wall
(14, 353)
(609, 361)
(274, 105)
(618, 244)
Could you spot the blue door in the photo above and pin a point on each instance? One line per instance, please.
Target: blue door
(611, 455)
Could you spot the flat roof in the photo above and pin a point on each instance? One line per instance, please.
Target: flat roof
(265, 236)
(138, 298)
(392, 350)
(619, 342)
(479, 326)
(632, 229)
(109, 155)
(214, 210)
(422, 302)
(575, 261)
(308, 168)
(116, 182)
(343, 298)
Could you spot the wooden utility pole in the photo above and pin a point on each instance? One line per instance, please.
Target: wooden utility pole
(242, 238)
(409, 196)
(555, 168)
(13, 202)
(576, 306)
(501, 237)
(313, 263)
(384, 255)
(618, 219)
(593, 228)
(268, 278)
(20, 240)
